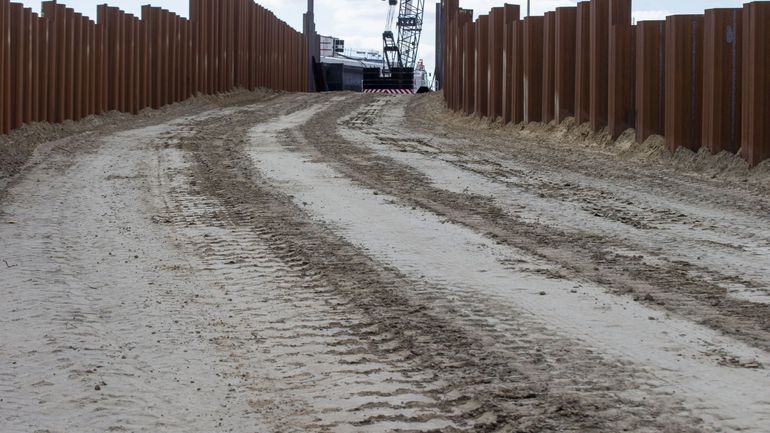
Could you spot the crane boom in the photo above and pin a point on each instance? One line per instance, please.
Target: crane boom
(402, 52)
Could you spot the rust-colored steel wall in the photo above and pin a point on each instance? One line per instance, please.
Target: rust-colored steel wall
(599, 64)
(722, 80)
(684, 72)
(482, 64)
(697, 81)
(510, 16)
(495, 64)
(517, 86)
(61, 65)
(564, 89)
(650, 78)
(755, 123)
(583, 63)
(549, 66)
(620, 104)
(533, 69)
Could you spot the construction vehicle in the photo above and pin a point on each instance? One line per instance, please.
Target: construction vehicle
(399, 53)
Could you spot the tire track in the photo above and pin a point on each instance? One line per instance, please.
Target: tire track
(699, 294)
(464, 369)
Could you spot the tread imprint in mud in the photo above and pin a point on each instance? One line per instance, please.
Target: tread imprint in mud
(387, 353)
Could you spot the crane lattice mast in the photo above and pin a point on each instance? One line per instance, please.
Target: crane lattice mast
(402, 52)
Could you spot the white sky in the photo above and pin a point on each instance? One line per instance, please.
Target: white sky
(361, 22)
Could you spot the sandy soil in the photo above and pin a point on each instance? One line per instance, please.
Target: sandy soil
(349, 262)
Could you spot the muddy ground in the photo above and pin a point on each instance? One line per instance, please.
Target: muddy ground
(353, 263)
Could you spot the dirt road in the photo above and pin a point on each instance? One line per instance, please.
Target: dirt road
(353, 263)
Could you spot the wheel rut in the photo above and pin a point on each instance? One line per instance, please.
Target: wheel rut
(348, 343)
(343, 137)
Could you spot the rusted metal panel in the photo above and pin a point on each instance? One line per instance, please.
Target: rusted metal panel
(722, 80)
(121, 56)
(27, 53)
(482, 64)
(69, 64)
(49, 12)
(159, 58)
(533, 69)
(35, 65)
(650, 79)
(102, 37)
(184, 60)
(43, 57)
(17, 64)
(169, 61)
(61, 63)
(195, 44)
(684, 71)
(620, 105)
(449, 23)
(549, 66)
(583, 63)
(86, 67)
(94, 67)
(111, 51)
(4, 63)
(167, 40)
(510, 15)
(454, 61)
(495, 64)
(77, 103)
(141, 77)
(132, 105)
(599, 65)
(517, 80)
(457, 66)
(564, 63)
(755, 121)
(469, 67)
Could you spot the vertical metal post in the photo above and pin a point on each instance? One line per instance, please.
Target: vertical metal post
(620, 106)
(549, 66)
(469, 66)
(533, 69)
(517, 80)
(482, 65)
(722, 33)
(684, 68)
(583, 63)
(650, 78)
(495, 64)
(511, 15)
(17, 63)
(599, 63)
(4, 78)
(755, 133)
(564, 90)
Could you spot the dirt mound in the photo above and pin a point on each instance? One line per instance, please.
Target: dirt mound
(431, 109)
(18, 147)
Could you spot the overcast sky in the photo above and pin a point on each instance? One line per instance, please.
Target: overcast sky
(361, 22)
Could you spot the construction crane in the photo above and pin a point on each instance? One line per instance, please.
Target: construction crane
(401, 52)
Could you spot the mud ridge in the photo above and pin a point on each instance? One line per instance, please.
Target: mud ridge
(490, 383)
